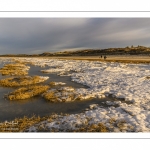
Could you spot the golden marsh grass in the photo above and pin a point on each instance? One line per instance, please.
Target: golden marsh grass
(52, 83)
(27, 92)
(24, 123)
(62, 94)
(14, 69)
(23, 62)
(20, 81)
(20, 124)
(56, 83)
(100, 127)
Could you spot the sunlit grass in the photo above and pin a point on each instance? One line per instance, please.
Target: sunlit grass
(52, 83)
(100, 127)
(21, 81)
(20, 124)
(24, 123)
(27, 92)
(14, 69)
(147, 77)
(23, 62)
(62, 94)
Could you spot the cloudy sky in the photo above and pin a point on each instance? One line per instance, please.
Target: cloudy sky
(38, 35)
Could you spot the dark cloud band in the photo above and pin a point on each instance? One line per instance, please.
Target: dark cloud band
(31, 35)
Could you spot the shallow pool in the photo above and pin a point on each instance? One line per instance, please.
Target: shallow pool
(38, 105)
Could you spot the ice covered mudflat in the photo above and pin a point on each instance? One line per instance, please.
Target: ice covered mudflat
(130, 82)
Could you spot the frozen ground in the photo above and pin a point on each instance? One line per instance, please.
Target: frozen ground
(127, 81)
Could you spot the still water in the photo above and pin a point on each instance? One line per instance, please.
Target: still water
(39, 106)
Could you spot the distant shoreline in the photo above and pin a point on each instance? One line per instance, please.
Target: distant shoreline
(126, 51)
(110, 58)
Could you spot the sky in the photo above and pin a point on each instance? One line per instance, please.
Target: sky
(39, 35)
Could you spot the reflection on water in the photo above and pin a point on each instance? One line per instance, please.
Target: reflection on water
(39, 106)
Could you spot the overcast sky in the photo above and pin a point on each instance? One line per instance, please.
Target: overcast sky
(38, 35)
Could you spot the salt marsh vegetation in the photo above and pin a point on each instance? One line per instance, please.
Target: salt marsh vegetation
(27, 92)
(14, 69)
(22, 81)
(62, 94)
(126, 81)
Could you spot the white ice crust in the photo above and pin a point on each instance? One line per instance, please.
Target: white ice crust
(127, 81)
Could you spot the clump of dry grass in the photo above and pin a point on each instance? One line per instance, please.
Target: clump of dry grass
(23, 125)
(112, 120)
(20, 124)
(62, 94)
(147, 77)
(100, 127)
(14, 69)
(121, 125)
(23, 62)
(56, 83)
(50, 96)
(52, 83)
(21, 81)
(27, 92)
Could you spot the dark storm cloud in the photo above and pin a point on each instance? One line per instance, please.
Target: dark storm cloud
(37, 35)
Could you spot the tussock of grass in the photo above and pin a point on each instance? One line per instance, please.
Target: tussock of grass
(121, 125)
(21, 81)
(23, 62)
(50, 95)
(14, 65)
(100, 127)
(52, 83)
(56, 83)
(20, 124)
(14, 69)
(23, 124)
(62, 94)
(27, 92)
(148, 77)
